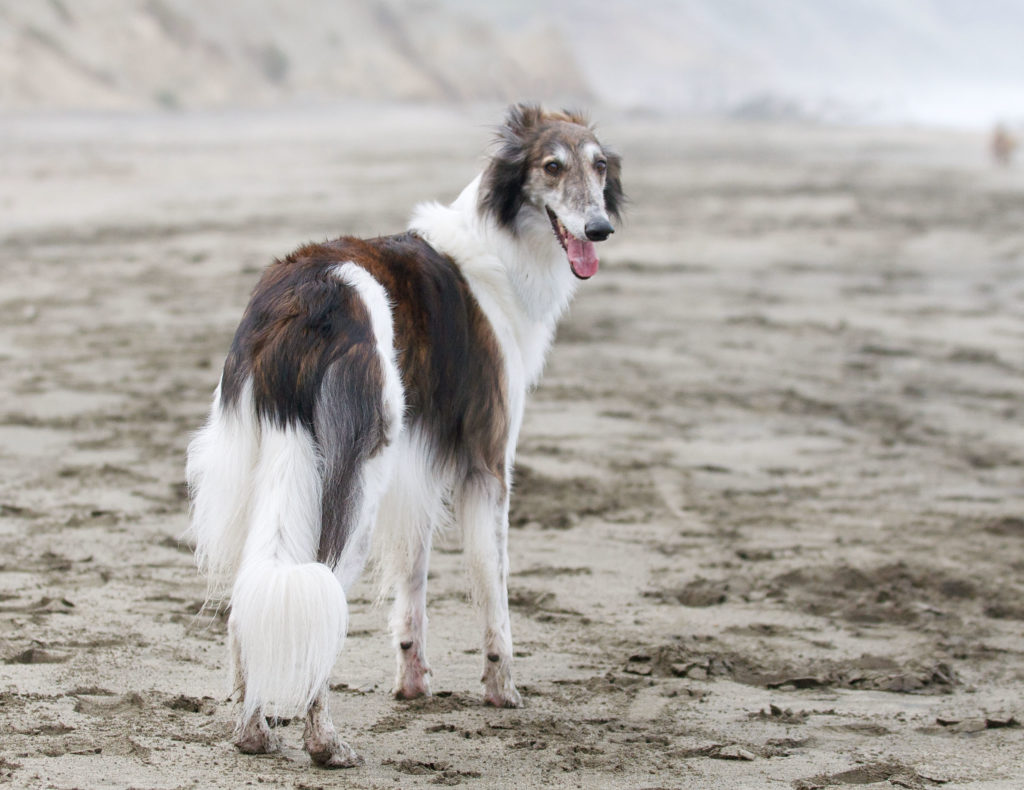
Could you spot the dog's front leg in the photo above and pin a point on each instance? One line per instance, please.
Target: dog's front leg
(321, 739)
(483, 514)
(409, 621)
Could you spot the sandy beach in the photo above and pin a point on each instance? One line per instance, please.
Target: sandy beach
(768, 528)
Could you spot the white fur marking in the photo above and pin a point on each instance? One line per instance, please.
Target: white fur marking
(221, 459)
(521, 280)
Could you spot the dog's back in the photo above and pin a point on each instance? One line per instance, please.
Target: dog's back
(306, 357)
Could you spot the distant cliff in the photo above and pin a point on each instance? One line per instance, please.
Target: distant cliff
(930, 61)
(121, 54)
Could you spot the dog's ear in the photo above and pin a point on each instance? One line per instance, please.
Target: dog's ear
(614, 198)
(502, 187)
(576, 116)
(520, 121)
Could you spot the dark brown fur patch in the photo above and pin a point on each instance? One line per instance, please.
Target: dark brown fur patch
(299, 321)
(451, 366)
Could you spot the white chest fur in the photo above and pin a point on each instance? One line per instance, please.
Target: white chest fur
(521, 280)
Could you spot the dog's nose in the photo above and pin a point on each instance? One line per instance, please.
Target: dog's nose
(598, 229)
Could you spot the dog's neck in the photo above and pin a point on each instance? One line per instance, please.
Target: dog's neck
(520, 277)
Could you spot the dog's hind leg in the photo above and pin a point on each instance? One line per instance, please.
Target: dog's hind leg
(482, 511)
(252, 733)
(254, 736)
(358, 508)
(321, 740)
(357, 420)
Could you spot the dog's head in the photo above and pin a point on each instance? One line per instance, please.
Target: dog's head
(550, 165)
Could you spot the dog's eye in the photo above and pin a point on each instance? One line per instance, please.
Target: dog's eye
(553, 168)
(600, 165)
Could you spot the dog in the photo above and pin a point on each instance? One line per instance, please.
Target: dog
(373, 390)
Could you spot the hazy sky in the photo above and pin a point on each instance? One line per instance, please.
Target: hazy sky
(939, 61)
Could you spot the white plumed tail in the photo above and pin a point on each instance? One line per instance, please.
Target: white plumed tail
(288, 613)
(256, 520)
(289, 623)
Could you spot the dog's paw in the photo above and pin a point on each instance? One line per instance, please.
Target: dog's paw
(333, 753)
(256, 737)
(412, 690)
(499, 690)
(413, 678)
(411, 687)
(507, 699)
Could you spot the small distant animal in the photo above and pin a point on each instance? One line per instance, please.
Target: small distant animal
(1002, 145)
(375, 389)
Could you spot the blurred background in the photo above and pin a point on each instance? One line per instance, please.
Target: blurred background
(950, 62)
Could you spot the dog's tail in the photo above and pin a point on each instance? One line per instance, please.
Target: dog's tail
(256, 490)
(288, 612)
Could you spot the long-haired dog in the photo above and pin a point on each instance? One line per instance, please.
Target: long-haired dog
(373, 389)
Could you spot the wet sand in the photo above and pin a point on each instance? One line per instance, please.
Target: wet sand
(768, 529)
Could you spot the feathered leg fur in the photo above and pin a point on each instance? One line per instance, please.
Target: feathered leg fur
(412, 510)
(482, 512)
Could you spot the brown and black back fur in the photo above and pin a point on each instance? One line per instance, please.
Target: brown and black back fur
(306, 343)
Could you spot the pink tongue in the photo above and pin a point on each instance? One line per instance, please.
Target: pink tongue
(582, 258)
